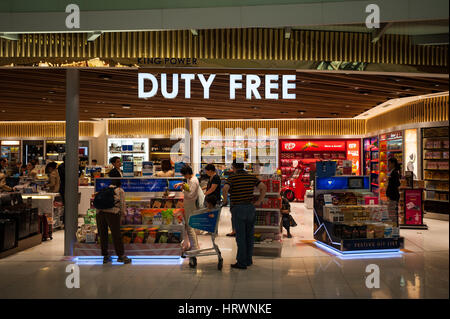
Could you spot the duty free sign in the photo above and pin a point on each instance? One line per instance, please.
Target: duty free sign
(149, 85)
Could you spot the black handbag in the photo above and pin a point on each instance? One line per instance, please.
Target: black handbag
(292, 222)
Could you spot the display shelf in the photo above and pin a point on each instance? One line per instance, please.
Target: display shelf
(435, 150)
(436, 200)
(274, 228)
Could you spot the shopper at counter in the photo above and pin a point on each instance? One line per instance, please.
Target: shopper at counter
(191, 190)
(111, 218)
(116, 171)
(241, 186)
(392, 191)
(62, 179)
(213, 187)
(54, 180)
(3, 186)
(31, 170)
(166, 169)
(94, 162)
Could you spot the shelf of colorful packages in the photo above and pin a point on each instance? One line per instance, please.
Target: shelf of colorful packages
(153, 224)
(371, 162)
(268, 219)
(348, 219)
(435, 165)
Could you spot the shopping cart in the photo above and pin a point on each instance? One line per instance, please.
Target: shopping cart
(206, 220)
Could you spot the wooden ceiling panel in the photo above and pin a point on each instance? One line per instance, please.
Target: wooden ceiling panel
(39, 94)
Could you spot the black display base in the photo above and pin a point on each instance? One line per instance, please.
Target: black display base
(413, 226)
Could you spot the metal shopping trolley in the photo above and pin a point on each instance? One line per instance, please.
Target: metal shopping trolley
(206, 220)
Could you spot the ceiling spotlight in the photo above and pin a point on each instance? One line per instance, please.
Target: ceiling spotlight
(126, 106)
(51, 92)
(283, 112)
(44, 99)
(3, 111)
(397, 80)
(287, 33)
(436, 85)
(255, 107)
(334, 113)
(85, 111)
(112, 114)
(347, 106)
(301, 111)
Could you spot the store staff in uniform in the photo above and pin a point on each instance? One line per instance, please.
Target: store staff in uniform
(166, 169)
(3, 186)
(241, 186)
(116, 171)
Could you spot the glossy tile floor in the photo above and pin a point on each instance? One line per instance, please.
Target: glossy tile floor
(303, 271)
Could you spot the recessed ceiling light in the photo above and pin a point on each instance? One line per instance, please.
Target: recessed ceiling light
(126, 106)
(3, 111)
(334, 113)
(397, 80)
(105, 76)
(255, 107)
(51, 92)
(44, 99)
(85, 111)
(347, 106)
(356, 87)
(283, 112)
(436, 85)
(112, 114)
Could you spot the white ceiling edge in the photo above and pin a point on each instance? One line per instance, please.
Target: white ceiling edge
(395, 103)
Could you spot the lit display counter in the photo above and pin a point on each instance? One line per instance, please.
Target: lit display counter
(153, 224)
(348, 220)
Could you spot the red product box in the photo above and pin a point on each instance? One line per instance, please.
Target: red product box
(276, 186)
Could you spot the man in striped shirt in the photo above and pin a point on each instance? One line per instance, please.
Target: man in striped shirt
(241, 186)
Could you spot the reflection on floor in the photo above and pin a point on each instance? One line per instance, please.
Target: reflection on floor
(303, 271)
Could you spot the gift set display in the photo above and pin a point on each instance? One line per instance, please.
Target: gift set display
(348, 218)
(435, 143)
(129, 150)
(153, 223)
(268, 218)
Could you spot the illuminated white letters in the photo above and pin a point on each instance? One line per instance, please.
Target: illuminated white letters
(147, 76)
(269, 85)
(287, 86)
(252, 83)
(234, 85)
(164, 92)
(206, 84)
(251, 86)
(187, 84)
